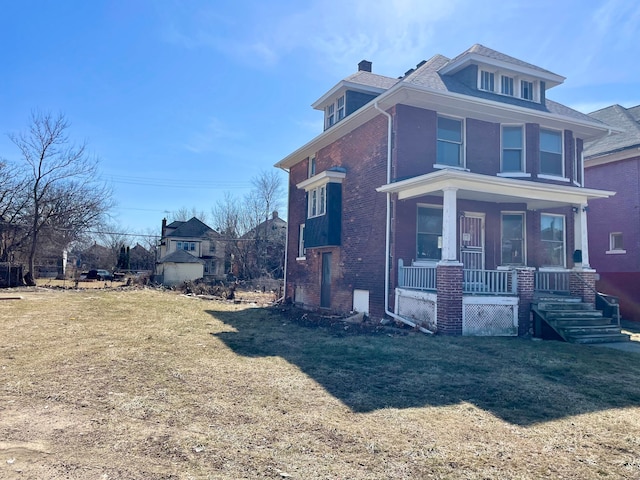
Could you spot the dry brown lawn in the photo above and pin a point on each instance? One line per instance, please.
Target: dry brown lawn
(145, 384)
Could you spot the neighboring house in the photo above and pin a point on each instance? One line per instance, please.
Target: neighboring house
(261, 251)
(445, 198)
(200, 242)
(613, 163)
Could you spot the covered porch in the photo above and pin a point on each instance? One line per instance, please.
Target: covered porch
(491, 243)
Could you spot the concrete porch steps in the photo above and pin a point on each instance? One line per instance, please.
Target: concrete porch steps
(574, 321)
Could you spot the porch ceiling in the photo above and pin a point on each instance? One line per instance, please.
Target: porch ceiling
(486, 188)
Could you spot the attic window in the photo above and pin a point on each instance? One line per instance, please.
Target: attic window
(334, 112)
(487, 81)
(526, 90)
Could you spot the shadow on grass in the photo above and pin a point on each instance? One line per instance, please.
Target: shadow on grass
(521, 381)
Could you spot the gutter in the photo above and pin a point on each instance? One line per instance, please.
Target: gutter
(286, 242)
(388, 232)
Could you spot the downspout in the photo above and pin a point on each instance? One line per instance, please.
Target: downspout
(286, 242)
(388, 232)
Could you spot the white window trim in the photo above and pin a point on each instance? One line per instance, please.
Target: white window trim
(316, 183)
(311, 167)
(517, 85)
(562, 177)
(301, 243)
(320, 201)
(463, 160)
(524, 237)
(513, 87)
(564, 241)
(336, 109)
(495, 74)
(612, 250)
(426, 262)
(523, 172)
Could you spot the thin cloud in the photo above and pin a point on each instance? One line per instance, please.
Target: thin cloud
(209, 138)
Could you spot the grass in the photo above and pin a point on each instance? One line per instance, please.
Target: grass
(143, 384)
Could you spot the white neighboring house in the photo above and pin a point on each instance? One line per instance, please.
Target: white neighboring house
(188, 251)
(179, 267)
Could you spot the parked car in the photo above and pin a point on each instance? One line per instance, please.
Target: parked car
(99, 275)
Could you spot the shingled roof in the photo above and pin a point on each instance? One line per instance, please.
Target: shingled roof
(621, 118)
(192, 228)
(180, 256)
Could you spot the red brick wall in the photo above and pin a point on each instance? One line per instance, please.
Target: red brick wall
(449, 280)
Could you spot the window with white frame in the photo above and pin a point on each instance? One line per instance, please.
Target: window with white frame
(487, 80)
(301, 249)
(506, 85)
(615, 242)
(552, 231)
(188, 246)
(429, 234)
(330, 115)
(340, 107)
(526, 90)
(512, 148)
(450, 142)
(317, 201)
(512, 231)
(312, 166)
(551, 158)
(335, 112)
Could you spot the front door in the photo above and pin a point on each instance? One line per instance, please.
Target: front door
(325, 281)
(472, 241)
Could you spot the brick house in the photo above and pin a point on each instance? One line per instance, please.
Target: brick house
(612, 162)
(444, 198)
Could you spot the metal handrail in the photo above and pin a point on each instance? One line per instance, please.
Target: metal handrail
(615, 306)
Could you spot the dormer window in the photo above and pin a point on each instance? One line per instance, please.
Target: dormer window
(334, 112)
(487, 81)
(526, 90)
(506, 85)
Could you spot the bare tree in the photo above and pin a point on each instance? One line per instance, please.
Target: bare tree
(12, 204)
(63, 194)
(184, 214)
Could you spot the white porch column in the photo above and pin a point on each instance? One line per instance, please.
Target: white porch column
(449, 225)
(581, 234)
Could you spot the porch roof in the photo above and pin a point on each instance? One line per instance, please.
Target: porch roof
(486, 188)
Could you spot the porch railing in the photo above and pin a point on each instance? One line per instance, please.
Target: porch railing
(491, 282)
(494, 282)
(417, 278)
(552, 282)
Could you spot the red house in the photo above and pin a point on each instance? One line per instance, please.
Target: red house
(613, 162)
(450, 198)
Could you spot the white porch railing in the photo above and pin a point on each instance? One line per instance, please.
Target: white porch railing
(493, 282)
(552, 282)
(416, 278)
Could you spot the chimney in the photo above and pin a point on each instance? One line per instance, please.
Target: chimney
(275, 214)
(164, 226)
(364, 66)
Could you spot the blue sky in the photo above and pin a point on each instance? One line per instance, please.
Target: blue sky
(185, 100)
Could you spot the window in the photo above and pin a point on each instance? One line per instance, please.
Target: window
(429, 234)
(526, 90)
(330, 115)
(186, 246)
(512, 149)
(506, 85)
(552, 236)
(449, 142)
(212, 246)
(301, 249)
(335, 112)
(340, 104)
(513, 239)
(487, 81)
(317, 201)
(615, 242)
(551, 153)
(312, 166)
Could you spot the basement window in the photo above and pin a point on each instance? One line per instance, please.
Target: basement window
(616, 246)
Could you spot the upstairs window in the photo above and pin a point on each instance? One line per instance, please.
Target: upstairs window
(512, 149)
(551, 161)
(340, 105)
(526, 90)
(330, 115)
(450, 144)
(312, 166)
(429, 234)
(487, 81)
(188, 246)
(317, 201)
(334, 112)
(301, 250)
(506, 85)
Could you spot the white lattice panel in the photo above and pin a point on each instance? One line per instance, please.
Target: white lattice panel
(490, 317)
(417, 306)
